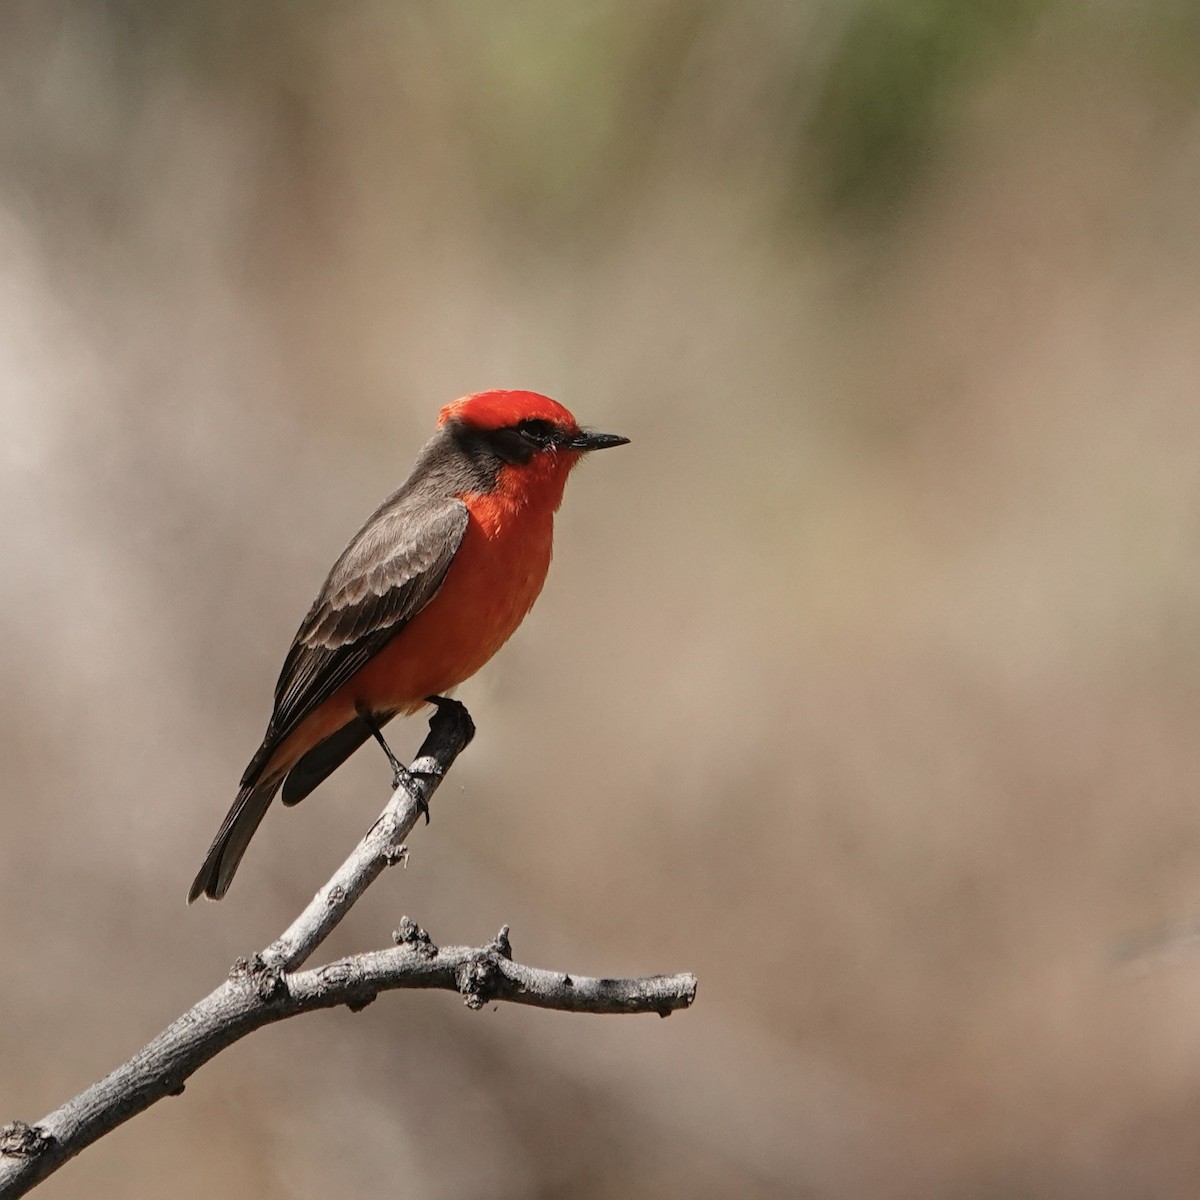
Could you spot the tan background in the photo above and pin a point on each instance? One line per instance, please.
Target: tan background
(867, 680)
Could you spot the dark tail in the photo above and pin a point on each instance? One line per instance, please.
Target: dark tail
(232, 839)
(325, 758)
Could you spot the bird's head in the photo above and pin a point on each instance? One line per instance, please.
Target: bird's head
(529, 440)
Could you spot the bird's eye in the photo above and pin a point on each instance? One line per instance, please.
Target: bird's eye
(539, 433)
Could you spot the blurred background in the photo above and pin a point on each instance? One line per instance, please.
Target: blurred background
(866, 681)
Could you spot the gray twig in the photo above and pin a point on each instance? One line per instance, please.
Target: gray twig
(268, 987)
(450, 732)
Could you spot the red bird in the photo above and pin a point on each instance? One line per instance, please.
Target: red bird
(427, 591)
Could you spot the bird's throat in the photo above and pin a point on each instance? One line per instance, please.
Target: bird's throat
(533, 488)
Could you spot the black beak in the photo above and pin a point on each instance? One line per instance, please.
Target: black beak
(596, 441)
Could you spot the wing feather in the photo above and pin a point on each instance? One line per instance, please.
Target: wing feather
(394, 566)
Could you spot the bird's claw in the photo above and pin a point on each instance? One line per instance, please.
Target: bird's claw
(404, 778)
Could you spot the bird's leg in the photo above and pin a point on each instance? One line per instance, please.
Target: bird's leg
(401, 775)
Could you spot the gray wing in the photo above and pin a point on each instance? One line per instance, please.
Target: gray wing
(389, 572)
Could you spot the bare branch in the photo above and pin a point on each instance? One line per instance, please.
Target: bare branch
(450, 732)
(482, 975)
(256, 995)
(268, 988)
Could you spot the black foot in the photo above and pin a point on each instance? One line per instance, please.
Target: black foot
(402, 777)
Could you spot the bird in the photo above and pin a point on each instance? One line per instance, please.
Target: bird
(424, 595)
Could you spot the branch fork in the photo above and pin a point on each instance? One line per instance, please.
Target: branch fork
(270, 986)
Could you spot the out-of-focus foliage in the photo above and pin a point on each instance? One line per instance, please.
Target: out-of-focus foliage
(898, 71)
(865, 682)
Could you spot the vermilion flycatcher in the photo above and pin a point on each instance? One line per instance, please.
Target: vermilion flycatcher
(427, 591)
